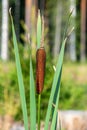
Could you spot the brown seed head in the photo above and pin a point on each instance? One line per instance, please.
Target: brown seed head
(40, 69)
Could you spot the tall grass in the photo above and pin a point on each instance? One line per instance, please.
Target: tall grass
(55, 85)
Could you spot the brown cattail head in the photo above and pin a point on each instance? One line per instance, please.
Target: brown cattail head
(40, 69)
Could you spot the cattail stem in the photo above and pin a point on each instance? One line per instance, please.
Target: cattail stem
(42, 38)
(39, 99)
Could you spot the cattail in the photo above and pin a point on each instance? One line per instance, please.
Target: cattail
(40, 69)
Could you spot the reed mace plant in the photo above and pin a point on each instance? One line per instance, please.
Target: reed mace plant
(40, 70)
(40, 73)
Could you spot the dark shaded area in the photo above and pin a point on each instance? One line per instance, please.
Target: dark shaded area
(22, 17)
(51, 22)
(0, 23)
(19, 16)
(86, 29)
(78, 17)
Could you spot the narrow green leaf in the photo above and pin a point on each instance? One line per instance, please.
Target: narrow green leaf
(67, 24)
(20, 78)
(57, 92)
(55, 81)
(32, 99)
(38, 30)
(56, 108)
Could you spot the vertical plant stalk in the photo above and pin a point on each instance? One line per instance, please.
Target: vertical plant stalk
(39, 102)
(42, 39)
(39, 29)
(40, 70)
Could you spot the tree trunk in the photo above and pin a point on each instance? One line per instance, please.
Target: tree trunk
(36, 7)
(0, 25)
(4, 35)
(86, 30)
(28, 4)
(78, 29)
(83, 30)
(56, 48)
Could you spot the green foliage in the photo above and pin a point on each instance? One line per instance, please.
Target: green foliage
(9, 89)
(73, 87)
(72, 94)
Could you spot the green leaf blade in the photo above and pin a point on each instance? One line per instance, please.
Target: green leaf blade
(55, 81)
(32, 100)
(55, 110)
(20, 78)
(56, 100)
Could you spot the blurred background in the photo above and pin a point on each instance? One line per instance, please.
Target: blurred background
(74, 76)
